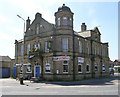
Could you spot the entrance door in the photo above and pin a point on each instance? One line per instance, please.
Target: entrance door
(37, 71)
(14, 72)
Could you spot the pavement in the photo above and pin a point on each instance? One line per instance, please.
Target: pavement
(101, 86)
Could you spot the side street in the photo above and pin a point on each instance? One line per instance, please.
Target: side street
(103, 86)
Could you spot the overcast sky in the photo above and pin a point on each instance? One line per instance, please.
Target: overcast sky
(101, 14)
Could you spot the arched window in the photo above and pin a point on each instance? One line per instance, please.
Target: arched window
(87, 68)
(80, 47)
(58, 22)
(64, 20)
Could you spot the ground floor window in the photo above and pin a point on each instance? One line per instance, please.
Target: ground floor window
(96, 67)
(65, 66)
(21, 69)
(103, 67)
(28, 69)
(47, 67)
(87, 68)
(79, 68)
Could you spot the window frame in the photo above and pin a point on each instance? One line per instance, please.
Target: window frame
(67, 67)
(87, 64)
(64, 21)
(65, 44)
(30, 69)
(58, 21)
(80, 46)
(47, 64)
(81, 68)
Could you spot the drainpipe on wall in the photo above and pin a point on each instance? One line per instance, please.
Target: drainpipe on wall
(74, 77)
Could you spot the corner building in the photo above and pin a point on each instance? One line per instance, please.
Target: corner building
(57, 52)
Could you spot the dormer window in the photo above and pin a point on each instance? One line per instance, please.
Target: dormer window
(58, 22)
(64, 21)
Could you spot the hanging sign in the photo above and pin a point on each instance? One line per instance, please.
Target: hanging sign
(61, 58)
(80, 60)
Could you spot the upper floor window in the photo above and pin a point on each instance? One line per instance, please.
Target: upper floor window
(65, 44)
(35, 46)
(87, 48)
(58, 22)
(28, 48)
(37, 29)
(70, 22)
(95, 50)
(46, 47)
(98, 50)
(22, 50)
(39, 46)
(64, 20)
(80, 47)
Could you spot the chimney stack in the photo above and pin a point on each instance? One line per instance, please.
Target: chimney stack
(27, 23)
(83, 27)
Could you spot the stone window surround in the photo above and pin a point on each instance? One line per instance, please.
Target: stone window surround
(87, 64)
(81, 67)
(30, 69)
(47, 63)
(67, 65)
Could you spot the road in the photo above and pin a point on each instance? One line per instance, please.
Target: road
(103, 86)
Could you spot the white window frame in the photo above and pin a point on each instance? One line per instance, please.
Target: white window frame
(81, 68)
(22, 50)
(28, 48)
(27, 68)
(47, 64)
(65, 44)
(63, 67)
(58, 22)
(64, 21)
(87, 64)
(80, 46)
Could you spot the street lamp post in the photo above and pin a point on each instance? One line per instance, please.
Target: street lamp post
(21, 80)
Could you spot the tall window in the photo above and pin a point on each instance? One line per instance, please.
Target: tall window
(37, 29)
(47, 67)
(98, 50)
(87, 48)
(35, 46)
(64, 20)
(65, 66)
(80, 47)
(28, 69)
(87, 68)
(70, 22)
(28, 48)
(79, 68)
(22, 50)
(96, 67)
(58, 22)
(103, 67)
(46, 47)
(39, 46)
(95, 50)
(65, 44)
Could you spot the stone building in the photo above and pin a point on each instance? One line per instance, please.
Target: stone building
(57, 52)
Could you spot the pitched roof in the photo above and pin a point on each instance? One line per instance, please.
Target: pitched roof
(5, 58)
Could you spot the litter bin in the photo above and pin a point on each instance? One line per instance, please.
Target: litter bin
(21, 81)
